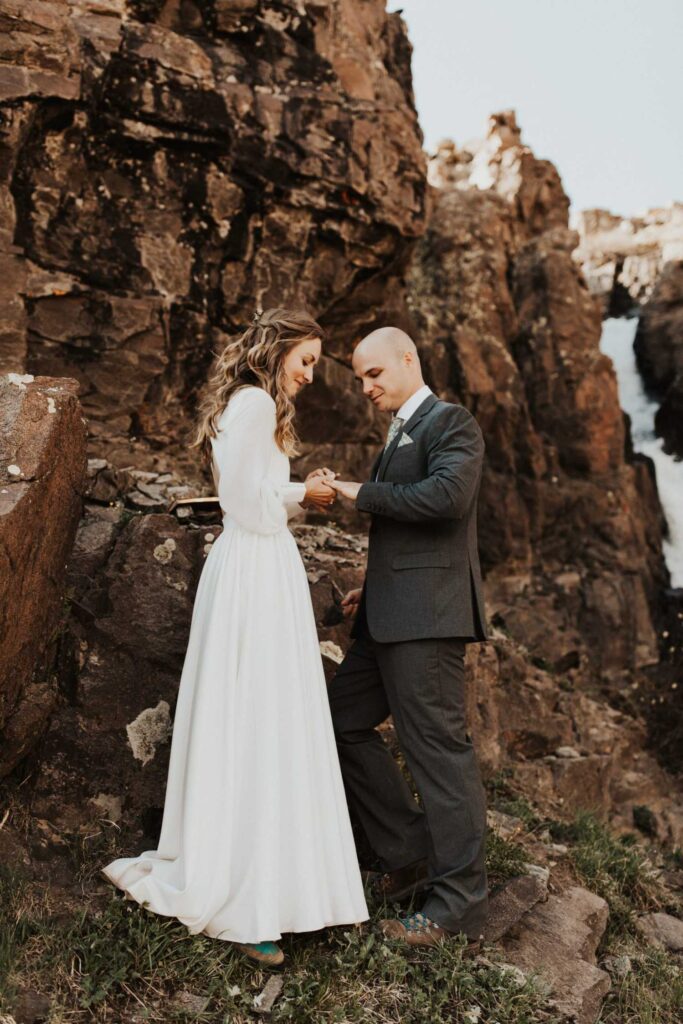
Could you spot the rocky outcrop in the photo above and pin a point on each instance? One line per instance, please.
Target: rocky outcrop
(166, 167)
(558, 940)
(570, 750)
(659, 340)
(507, 325)
(623, 257)
(502, 163)
(42, 476)
(659, 352)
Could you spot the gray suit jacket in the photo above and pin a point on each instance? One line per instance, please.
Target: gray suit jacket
(423, 578)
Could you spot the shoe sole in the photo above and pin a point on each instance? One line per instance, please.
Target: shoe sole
(472, 949)
(264, 959)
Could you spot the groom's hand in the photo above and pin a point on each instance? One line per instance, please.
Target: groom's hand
(327, 474)
(346, 488)
(350, 602)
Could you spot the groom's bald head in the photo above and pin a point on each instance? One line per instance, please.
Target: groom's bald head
(387, 363)
(387, 340)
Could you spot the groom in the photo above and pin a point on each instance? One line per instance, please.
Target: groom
(420, 604)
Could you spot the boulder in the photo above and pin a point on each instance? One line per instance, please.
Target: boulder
(662, 930)
(508, 906)
(557, 940)
(42, 479)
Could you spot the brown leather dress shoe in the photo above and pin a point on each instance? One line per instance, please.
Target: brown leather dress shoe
(402, 883)
(420, 930)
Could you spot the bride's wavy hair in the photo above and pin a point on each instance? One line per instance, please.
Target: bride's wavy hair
(257, 358)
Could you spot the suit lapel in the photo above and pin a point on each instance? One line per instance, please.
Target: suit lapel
(387, 453)
(407, 427)
(375, 465)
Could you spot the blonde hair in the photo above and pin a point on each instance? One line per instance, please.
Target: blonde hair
(257, 358)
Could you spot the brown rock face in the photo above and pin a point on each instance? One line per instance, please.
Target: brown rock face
(659, 352)
(42, 476)
(166, 167)
(508, 327)
(106, 752)
(659, 341)
(669, 418)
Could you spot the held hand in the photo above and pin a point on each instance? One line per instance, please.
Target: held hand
(350, 602)
(319, 495)
(324, 472)
(346, 488)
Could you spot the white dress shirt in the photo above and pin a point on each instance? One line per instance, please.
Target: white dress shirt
(414, 402)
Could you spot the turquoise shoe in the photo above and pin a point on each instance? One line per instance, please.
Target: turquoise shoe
(263, 952)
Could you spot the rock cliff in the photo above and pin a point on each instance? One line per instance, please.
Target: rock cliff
(165, 167)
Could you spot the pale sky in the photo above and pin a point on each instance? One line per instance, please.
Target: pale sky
(597, 86)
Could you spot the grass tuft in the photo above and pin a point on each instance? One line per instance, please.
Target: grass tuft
(614, 867)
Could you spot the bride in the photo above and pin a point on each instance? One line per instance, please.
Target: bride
(256, 838)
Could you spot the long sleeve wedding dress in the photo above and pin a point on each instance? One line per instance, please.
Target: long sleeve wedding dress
(255, 838)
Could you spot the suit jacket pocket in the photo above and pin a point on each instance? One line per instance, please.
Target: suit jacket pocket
(421, 560)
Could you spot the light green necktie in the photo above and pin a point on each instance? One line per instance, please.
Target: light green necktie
(393, 430)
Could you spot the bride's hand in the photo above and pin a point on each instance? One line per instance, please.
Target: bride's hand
(319, 494)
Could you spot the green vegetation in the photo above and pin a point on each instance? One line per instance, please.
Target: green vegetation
(614, 867)
(104, 959)
(504, 859)
(122, 963)
(650, 991)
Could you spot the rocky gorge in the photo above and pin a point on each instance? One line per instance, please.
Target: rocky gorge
(166, 166)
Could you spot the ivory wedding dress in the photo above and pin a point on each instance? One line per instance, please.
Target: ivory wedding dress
(256, 838)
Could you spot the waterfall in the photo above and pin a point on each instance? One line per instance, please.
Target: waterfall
(617, 342)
